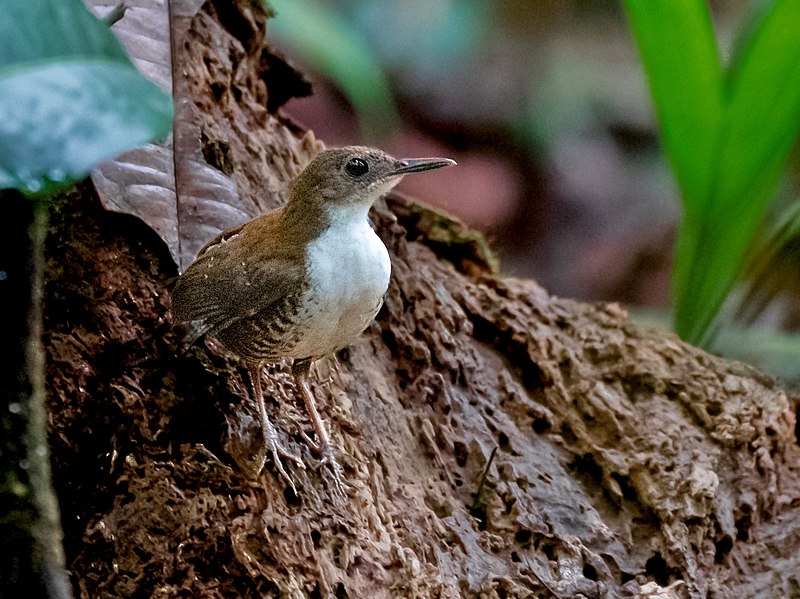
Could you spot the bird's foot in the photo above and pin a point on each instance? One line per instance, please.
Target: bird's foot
(277, 450)
(313, 445)
(333, 473)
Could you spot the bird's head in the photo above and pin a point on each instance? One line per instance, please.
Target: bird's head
(350, 179)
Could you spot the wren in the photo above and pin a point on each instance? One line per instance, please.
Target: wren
(301, 281)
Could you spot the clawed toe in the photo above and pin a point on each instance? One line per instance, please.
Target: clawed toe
(333, 472)
(313, 445)
(285, 453)
(270, 434)
(335, 483)
(278, 452)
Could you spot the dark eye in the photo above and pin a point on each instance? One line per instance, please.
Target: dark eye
(356, 166)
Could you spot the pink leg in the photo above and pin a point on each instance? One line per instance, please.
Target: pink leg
(323, 446)
(268, 430)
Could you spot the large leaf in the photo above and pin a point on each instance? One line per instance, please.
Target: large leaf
(70, 95)
(173, 187)
(168, 186)
(40, 31)
(728, 136)
(676, 41)
(761, 124)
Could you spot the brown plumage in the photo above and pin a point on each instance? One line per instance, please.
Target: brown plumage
(300, 281)
(246, 283)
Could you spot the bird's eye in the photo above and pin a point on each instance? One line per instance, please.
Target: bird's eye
(356, 167)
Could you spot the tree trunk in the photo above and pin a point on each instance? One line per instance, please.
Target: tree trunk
(496, 441)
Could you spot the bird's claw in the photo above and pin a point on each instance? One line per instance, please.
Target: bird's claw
(333, 473)
(277, 450)
(327, 458)
(313, 445)
(285, 453)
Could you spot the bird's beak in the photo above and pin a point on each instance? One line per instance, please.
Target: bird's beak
(418, 165)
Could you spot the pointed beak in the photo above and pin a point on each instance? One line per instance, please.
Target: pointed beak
(418, 165)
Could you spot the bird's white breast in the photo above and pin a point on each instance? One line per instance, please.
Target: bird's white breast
(349, 269)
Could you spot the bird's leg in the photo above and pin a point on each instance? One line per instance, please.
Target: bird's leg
(300, 370)
(323, 446)
(267, 429)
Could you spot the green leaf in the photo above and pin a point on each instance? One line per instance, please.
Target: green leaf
(676, 43)
(71, 97)
(728, 137)
(91, 110)
(335, 48)
(761, 127)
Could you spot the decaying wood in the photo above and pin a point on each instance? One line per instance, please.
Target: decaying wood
(498, 441)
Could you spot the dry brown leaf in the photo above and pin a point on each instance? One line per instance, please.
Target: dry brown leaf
(169, 186)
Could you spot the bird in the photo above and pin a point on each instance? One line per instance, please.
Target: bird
(301, 281)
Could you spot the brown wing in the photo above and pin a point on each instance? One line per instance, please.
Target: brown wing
(226, 235)
(238, 276)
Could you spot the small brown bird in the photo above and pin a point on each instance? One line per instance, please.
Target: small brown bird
(300, 281)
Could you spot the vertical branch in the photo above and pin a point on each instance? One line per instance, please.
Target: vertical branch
(29, 515)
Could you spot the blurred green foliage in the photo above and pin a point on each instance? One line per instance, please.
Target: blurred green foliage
(428, 38)
(728, 132)
(71, 97)
(358, 44)
(333, 46)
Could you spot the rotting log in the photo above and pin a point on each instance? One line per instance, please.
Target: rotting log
(497, 441)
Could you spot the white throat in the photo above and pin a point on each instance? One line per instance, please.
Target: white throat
(349, 269)
(342, 216)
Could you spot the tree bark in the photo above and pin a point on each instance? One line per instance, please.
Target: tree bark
(497, 441)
